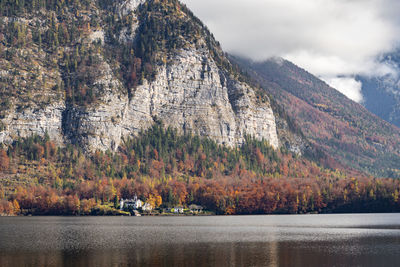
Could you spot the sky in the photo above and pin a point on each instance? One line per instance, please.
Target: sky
(333, 39)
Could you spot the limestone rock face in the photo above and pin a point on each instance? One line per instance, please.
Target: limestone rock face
(31, 104)
(193, 95)
(129, 6)
(189, 92)
(188, 95)
(255, 119)
(32, 121)
(98, 127)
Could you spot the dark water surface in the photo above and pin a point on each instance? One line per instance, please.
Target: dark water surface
(307, 240)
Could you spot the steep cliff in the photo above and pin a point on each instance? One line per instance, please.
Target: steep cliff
(96, 72)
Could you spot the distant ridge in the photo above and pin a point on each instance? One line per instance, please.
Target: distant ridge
(342, 128)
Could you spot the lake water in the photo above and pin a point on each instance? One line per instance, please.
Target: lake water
(298, 240)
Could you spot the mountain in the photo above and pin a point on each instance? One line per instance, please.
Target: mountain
(93, 73)
(96, 73)
(104, 100)
(381, 95)
(338, 126)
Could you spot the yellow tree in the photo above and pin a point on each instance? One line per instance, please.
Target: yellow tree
(151, 200)
(17, 208)
(158, 201)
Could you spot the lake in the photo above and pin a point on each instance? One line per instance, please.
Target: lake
(282, 240)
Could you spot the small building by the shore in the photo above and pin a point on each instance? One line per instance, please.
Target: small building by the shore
(178, 209)
(134, 203)
(195, 208)
(147, 207)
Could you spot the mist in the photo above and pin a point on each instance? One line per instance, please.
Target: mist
(335, 40)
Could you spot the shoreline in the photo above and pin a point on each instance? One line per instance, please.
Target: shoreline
(195, 215)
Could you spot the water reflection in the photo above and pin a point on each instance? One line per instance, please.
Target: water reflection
(200, 255)
(336, 240)
(178, 255)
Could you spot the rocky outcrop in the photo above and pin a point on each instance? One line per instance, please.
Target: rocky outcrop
(98, 126)
(34, 121)
(128, 31)
(193, 95)
(128, 6)
(31, 101)
(189, 93)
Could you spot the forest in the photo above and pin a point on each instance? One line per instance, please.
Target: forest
(38, 177)
(181, 170)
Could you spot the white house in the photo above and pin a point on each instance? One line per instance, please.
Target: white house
(134, 203)
(178, 209)
(195, 208)
(138, 204)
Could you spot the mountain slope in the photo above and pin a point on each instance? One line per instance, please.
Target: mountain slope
(93, 73)
(340, 127)
(142, 84)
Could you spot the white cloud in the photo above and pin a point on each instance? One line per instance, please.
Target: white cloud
(329, 38)
(347, 86)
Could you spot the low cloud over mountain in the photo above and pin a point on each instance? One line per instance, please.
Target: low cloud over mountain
(333, 39)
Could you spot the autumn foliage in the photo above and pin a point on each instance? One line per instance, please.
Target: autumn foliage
(4, 160)
(165, 168)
